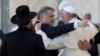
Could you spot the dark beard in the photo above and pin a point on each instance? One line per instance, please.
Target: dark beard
(32, 27)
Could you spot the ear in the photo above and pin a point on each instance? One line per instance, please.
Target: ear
(41, 16)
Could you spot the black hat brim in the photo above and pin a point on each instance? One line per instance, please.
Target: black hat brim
(20, 20)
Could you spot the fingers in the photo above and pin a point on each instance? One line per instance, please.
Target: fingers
(38, 26)
(83, 23)
(81, 46)
(84, 45)
(83, 42)
(87, 17)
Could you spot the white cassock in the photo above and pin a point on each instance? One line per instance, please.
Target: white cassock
(67, 43)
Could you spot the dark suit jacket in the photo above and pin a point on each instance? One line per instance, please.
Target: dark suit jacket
(22, 42)
(53, 32)
(94, 49)
(96, 42)
(1, 34)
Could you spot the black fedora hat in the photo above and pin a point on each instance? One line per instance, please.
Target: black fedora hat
(23, 14)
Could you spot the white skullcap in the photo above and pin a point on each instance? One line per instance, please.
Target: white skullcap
(63, 4)
(69, 9)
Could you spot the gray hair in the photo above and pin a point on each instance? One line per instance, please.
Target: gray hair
(44, 10)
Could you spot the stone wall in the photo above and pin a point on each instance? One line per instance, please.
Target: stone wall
(34, 5)
(92, 6)
(82, 6)
(0, 14)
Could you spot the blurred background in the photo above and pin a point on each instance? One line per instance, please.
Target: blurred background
(7, 10)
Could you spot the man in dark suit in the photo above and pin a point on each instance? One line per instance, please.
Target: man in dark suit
(24, 41)
(46, 17)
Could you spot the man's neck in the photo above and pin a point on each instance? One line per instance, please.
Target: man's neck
(27, 26)
(44, 23)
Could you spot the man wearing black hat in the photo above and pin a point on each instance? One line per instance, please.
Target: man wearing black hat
(23, 41)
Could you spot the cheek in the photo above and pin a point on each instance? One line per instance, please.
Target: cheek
(65, 19)
(62, 16)
(48, 20)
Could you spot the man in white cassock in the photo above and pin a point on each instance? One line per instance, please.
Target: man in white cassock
(68, 43)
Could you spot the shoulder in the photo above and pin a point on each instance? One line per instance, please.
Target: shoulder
(38, 39)
(37, 36)
(45, 25)
(8, 35)
(60, 23)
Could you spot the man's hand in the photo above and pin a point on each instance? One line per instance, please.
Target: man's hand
(84, 45)
(87, 16)
(38, 26)
(83, 23)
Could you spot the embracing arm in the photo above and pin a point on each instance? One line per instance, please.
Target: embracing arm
(57, 30)
(56, 43)
(50, 44)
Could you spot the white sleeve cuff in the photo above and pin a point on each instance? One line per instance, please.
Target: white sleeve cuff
(75, 25)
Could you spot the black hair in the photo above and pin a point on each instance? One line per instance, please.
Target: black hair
(24, 24)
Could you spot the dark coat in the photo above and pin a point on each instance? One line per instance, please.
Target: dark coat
(53, 32)
(97, 41)
(22, 42)
(94, 49)
(1, 34)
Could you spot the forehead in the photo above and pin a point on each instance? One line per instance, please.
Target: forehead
(50, 12)
(64, 12)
